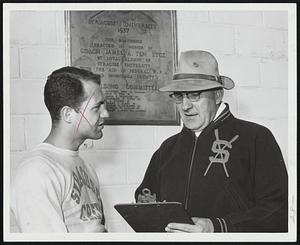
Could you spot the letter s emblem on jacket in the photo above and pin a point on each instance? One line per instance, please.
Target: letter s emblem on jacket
(221, 155)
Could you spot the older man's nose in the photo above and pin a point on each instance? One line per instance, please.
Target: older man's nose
(186, 103)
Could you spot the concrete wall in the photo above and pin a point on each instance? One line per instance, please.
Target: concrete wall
(251, 48)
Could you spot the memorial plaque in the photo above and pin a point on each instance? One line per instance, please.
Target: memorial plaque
(135, 53)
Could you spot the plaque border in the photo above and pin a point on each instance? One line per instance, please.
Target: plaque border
(174, 122)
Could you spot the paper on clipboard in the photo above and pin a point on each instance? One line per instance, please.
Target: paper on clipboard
(153, 217)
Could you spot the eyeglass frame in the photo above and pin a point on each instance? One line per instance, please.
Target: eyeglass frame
(188, 95)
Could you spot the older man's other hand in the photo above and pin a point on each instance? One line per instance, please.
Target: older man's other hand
(201, 225)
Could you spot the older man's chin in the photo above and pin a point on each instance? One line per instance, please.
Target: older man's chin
(193, 126)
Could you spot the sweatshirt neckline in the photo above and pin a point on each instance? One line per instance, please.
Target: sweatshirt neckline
(62, 151)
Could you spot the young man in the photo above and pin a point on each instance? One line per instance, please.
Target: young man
(54, 190)
(229, 173)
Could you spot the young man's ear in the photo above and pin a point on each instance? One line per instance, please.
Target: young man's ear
(67, 114)
(219, 95)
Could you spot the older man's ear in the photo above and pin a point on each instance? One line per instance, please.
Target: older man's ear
(219, 95)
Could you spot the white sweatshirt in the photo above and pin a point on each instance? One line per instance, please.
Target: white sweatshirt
(55, 191)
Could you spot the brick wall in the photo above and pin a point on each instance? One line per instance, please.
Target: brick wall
(251, 48)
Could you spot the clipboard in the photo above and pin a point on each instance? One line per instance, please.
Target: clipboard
(153, 217)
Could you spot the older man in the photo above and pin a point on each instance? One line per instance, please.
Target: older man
(229, 173)
(54, 190)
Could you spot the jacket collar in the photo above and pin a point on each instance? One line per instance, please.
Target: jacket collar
(224, 116)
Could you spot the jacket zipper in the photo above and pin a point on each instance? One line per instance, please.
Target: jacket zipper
(187, 191)
(224, 115)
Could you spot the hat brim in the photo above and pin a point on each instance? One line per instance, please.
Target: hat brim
(197, 84)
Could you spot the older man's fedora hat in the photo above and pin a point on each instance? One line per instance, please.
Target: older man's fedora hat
(197, 70)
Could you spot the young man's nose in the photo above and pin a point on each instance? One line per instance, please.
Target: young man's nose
(104, 113)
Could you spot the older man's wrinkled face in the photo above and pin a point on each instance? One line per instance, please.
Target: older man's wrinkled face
(196, 115)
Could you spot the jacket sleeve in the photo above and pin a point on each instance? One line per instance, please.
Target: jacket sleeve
(270, 210)
(151, 179)
(37, 199)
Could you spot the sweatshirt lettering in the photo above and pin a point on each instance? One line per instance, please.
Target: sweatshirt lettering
(81, 178)
(90, 211)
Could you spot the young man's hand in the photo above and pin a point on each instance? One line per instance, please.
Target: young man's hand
(201, 225)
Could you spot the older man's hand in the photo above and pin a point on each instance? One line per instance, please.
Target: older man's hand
(201, 225)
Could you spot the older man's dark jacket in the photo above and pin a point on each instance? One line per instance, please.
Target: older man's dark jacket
(233, 173)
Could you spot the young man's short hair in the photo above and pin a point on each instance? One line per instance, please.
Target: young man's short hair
(64, 87)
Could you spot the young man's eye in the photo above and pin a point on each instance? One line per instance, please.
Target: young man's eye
(99, 105)
(96, 108)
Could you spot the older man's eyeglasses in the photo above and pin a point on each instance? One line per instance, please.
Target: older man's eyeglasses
(192, 96)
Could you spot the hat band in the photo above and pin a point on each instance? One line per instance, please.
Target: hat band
(197, 76)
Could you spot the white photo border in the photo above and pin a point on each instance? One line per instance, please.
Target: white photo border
(292, 123)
